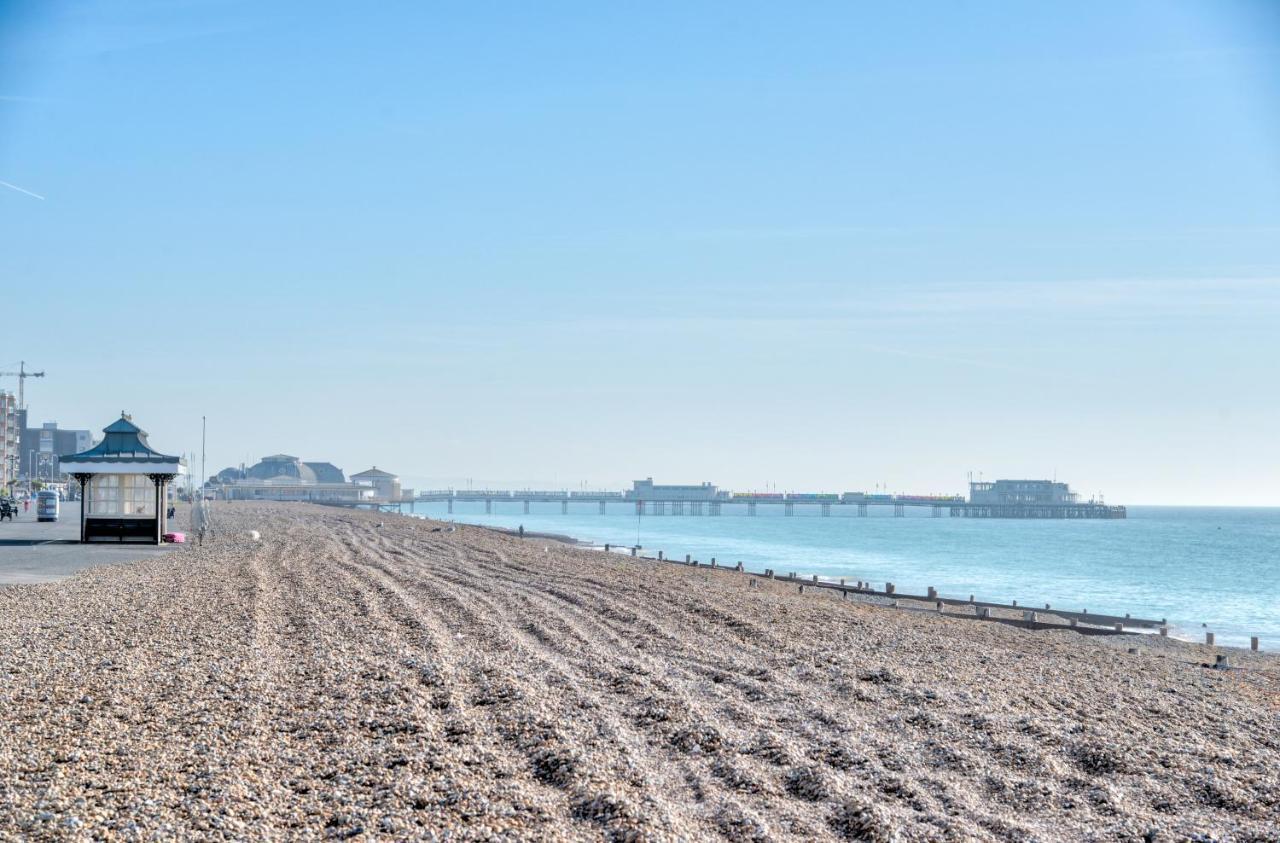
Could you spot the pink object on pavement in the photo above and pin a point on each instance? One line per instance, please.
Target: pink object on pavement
(176, 538)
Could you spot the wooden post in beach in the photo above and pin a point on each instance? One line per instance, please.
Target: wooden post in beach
(1119, 627)
(688, 557)
(933, 593)
(1208, 638)
(713, 561)
(888, 588)
(739, 566)
(842, 580)
(815, 577)
(1253, 643)
(659, 555)
(1164, 632)
(970, 598)
(635, 551)
(984, 613)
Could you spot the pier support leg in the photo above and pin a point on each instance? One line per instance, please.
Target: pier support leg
(639, 507)
(564, 507)
(788, 509)
(751, 508)
(602, 507)
(526, 507)
(937, 512)
(862, 510)
(826, 510)
(715, 509)
(488, 507)
(899, 510)
(450, 506)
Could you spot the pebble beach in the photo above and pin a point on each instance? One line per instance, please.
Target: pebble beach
(353, 675)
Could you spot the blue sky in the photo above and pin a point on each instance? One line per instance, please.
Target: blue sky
(819, 245)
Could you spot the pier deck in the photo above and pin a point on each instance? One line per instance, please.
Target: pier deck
(953, 509)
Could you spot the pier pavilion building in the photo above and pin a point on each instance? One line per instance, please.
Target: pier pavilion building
(647, 490)
(282, 477)
(386, 486)
(1002, 492)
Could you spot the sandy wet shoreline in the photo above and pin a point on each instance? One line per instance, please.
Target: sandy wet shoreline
(342, 679)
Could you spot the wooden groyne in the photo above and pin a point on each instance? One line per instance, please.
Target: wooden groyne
(1024, 616)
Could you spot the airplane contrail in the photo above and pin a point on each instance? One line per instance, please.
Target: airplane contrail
(21, 190)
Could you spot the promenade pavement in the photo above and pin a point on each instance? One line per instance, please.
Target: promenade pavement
(33, 552)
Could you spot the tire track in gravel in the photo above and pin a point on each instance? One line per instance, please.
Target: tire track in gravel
(673, 717)
(548, 748)
(720, 668)
(823, 744)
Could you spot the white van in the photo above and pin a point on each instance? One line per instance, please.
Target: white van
(46, 505)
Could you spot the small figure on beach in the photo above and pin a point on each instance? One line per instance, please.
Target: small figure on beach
(521, 531)
(201, 521)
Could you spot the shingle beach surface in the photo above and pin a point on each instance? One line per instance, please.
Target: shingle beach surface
(341, 679)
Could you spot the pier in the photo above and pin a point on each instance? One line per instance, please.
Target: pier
(673, 506)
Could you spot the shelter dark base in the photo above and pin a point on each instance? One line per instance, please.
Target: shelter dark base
(138, 530)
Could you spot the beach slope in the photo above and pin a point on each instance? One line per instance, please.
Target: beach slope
(360, 674)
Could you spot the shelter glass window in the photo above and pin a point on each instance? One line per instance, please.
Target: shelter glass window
(122, 495)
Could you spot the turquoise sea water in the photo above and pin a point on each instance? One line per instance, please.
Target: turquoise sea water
(1194, 566)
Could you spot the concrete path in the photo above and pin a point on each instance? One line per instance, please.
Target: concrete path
(35, 552)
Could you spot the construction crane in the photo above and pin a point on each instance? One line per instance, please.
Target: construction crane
(22, 374)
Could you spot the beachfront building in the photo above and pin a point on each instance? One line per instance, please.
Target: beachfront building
(122, 485)
(9, 457)
(646, 490)
(386, 486)
(284, 489)
(281, 477)
(1022, 492)
(42, 445)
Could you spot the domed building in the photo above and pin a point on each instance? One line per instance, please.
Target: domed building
(281, 468)
(283, 477)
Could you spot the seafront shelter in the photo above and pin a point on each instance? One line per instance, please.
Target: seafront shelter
(122, 485)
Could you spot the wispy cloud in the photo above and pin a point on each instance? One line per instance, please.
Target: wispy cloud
(21, 190)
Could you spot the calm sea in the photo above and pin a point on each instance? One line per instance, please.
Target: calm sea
(1202, 568)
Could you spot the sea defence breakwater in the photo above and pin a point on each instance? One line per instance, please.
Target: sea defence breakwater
(358, 673)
